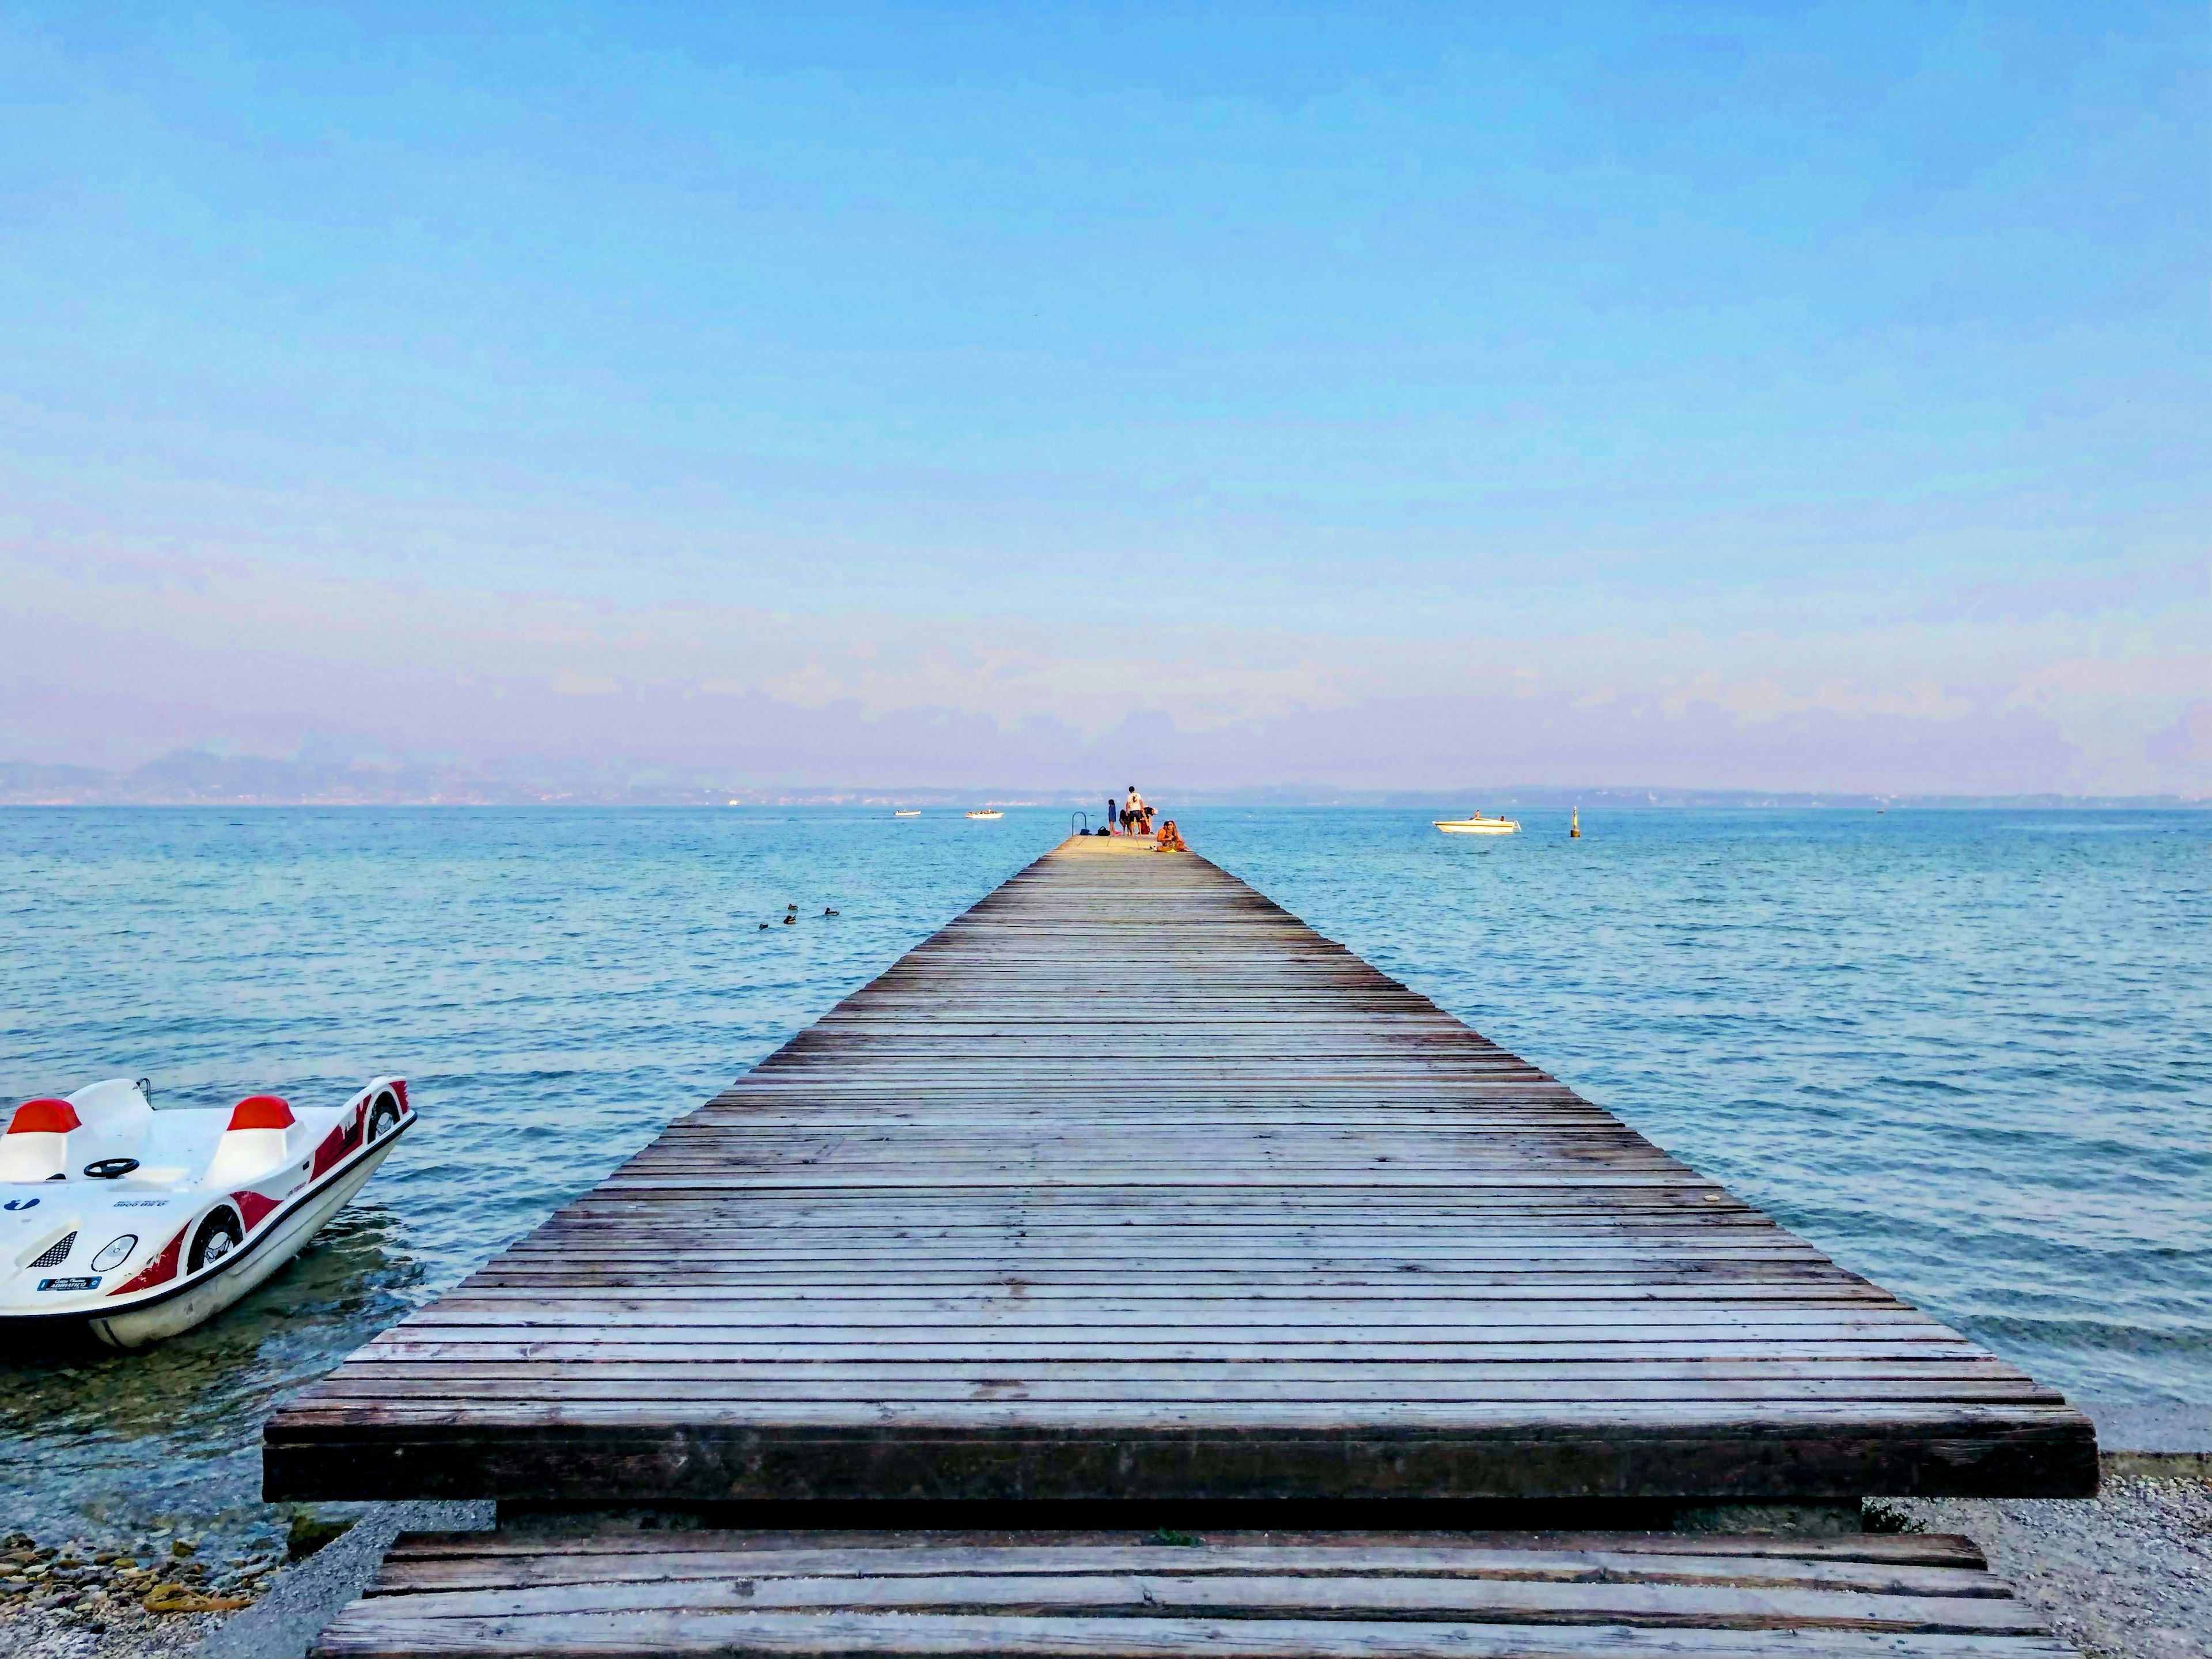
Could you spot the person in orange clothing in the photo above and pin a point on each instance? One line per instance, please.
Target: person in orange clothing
(1168, 840)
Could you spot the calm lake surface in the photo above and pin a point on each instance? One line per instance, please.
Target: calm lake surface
(1965, 1053)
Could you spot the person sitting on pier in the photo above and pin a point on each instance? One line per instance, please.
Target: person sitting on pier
(1168, 840)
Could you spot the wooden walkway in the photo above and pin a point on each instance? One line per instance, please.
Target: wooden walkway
(1128, 1184)
(1231, 1596)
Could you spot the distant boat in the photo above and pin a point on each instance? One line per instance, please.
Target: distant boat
(988, 812)
(908, 813)
(1476, 825)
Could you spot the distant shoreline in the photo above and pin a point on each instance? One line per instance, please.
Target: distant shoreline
(672, 800)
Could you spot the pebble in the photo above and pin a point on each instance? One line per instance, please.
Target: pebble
(72, 1600)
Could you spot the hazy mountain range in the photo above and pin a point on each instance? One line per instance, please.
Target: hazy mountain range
(197, 778)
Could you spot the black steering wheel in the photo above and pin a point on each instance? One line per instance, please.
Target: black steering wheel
(110, 1168)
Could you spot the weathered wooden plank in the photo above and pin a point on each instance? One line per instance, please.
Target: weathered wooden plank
(1703, 1605)
(375, 1632)
(450, 1572)
(897, 1274)
(1610, 1319)
(470, 1447)
(668, 1384)
(1787, 1553)
(1290, 1375)
(991, 1418)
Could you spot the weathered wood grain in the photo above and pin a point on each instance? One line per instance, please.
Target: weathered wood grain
(1249, 1594)
(1348, 1549)
(376, 1632)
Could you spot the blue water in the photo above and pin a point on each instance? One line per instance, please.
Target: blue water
(1967, 1054)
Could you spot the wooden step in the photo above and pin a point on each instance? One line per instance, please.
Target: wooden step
(1375, 1596)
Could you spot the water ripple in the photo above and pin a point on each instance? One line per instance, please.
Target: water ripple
(1967, 1054)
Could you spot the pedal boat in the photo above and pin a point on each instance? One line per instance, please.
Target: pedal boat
(135, 1224)
(1476, 825)
(988, 812)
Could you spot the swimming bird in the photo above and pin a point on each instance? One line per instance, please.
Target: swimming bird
(763, 928)
(790, 920)
(827, 911)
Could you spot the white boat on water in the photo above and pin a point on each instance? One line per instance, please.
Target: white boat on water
(988, 812)
(906, 812)
(1475, 824)
(135, 1224)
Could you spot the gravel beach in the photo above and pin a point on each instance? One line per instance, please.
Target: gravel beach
(2125, 1574)
(153, 1595)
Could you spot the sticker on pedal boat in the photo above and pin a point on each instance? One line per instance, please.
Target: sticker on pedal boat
(88, 1284)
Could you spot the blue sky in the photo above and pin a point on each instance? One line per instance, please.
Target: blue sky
(1767, 397)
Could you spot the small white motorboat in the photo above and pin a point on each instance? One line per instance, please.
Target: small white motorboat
(1475, 824)
(135, 1224)
(988, 812)
(908, 813)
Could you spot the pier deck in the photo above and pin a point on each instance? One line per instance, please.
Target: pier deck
(1126, 1183)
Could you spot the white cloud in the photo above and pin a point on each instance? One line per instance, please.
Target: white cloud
(568, 683)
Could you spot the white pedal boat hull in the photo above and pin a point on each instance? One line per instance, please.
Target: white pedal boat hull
(244, 1269)
(1478, 826)
(201, 1233)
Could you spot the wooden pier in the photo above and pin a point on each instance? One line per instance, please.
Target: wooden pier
(1128, 1185)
